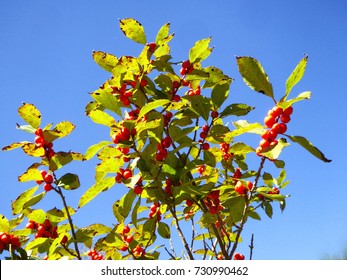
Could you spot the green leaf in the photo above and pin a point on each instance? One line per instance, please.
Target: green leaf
(62, 158)
(4, 224)
(105, 60)
(92, 150)
(200, 50)
(219, 94)
(133, 30)
(34, 200)
(295, 76)
(101, 117)
(164, 230)
(96, 189)
(201, 105)
(18, 203)
(124, 205)
(108, 100)
(242, 126)
(69, 181)
(303, 142)
(254, 75)
(151, 106)
(30, 114)
(215, 76)
(134, 212)
(302, 96)
(235, 206)
(236, 109)
(268, 209)
(37, 215)
(240, 148)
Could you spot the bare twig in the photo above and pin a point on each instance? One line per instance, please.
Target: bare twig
(251, 247)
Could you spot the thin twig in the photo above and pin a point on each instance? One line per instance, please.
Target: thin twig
(251, 247)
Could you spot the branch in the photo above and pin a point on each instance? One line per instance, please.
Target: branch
(246, 208)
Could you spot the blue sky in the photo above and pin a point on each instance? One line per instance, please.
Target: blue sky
(45, 59)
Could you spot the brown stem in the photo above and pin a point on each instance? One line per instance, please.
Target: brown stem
(60, 192)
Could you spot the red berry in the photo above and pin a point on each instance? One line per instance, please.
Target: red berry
(143, 83)
(5, 238)
(205, 128)
(64, 240)
(206, 146)
(127, 174)
(176, 98)
(129, 239)
(276, 111)
(238, 256)
(288, 111)
(220, 257)
(269, 121)
(186, 64)
(279, 128)
(240, 188)
(213, 210)
(138, 189)
(189, 202)
(264, 143)
(214, 114)
(166, 142)
(47, 187)
(285, 118)
(152, 46)
(203, 135)
(126, 229)
(48, 179)
(123, 248)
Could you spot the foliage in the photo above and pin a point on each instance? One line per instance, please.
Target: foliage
(174, 148)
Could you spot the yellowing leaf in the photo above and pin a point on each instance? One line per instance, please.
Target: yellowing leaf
(30, 114)
(105, 60)
(296, 76)
(133, 30)
(15, 146)
(200, 50)
(32, 150)
(32, 174)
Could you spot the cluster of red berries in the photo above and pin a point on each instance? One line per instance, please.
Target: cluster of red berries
(7, 239)
(123, 134)
(126, 238)
(187, 68)
(45, 230)
(203, 134)
(175, 86)
(276, 121)
(41, 143)
(126, 93)
(201, 169)
(167, 118)
(243, 187)
(155, 211)
(138, 187)
(95, 255)
(224, 147)
(162, 148)
(273, 191)
(193, 92)
(47, 179)
(239, 256)
(133, 114)
(138, 251)
(213, 203)
(167, 187)
(123, 174)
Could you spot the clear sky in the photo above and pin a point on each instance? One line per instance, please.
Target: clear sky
(45, 59)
